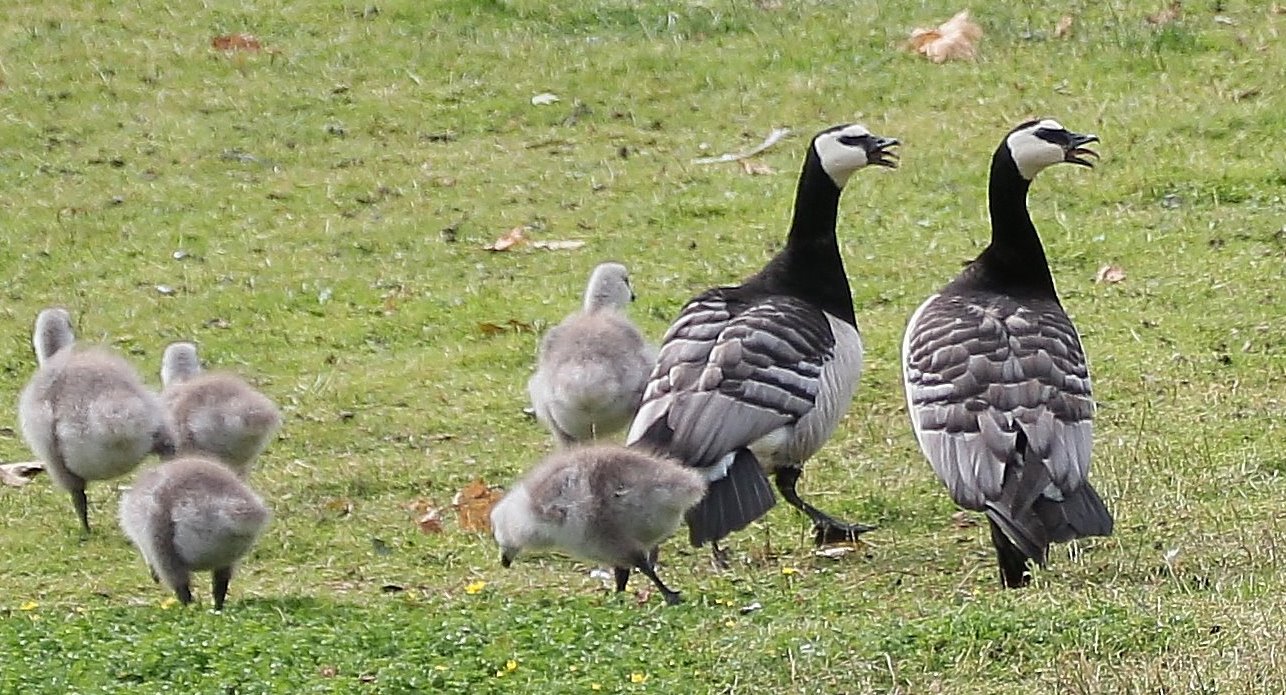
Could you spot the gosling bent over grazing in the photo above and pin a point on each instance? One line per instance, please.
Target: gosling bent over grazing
(603, 503)
(192, 514)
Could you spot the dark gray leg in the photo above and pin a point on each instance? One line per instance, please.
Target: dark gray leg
(643, 565)
(183, 591)
(81, 503)
(825, 529)
(221, 578)
(719, 556)
(622, 577)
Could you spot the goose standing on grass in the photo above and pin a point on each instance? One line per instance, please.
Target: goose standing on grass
(592, 367)
(192, 514)
(753, 379)
(215, 413)
(602, 503)
(997, 384)
(86, 412)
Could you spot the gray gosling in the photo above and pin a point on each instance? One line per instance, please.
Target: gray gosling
(215, 413)
(592, 367)
(86, 412)
(602, 503)
(192, 514)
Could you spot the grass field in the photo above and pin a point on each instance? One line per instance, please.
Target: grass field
(314, 215)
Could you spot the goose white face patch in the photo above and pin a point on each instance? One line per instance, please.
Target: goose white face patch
(840, 160)
(1032, 153)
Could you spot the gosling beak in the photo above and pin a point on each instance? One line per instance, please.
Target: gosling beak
(877, 151)
(1076, 152)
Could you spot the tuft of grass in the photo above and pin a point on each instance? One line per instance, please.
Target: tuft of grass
(315, 213)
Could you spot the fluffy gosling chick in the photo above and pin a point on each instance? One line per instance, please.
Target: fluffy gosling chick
(86, 412)
(215, 413)
(592, 367)
(602, 503)
(192, 514)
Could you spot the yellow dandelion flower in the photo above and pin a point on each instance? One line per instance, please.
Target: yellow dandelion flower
(474, 588)
(29, 606)
(789, 571)
(638, 678)
(595, 686)
(169, 603)
(511, 665)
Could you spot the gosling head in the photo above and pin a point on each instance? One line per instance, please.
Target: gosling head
(52, 333)
(514, 527)
(1037, 145)
(179, 363)
(843, 149)
(609, 288)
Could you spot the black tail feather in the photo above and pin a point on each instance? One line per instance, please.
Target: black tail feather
(732, 502)
(1024, 521)
(1014, 571)
(1080, 514)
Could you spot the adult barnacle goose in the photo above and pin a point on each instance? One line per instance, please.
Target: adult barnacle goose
(996, 380)
(592, 367)
(753, 379)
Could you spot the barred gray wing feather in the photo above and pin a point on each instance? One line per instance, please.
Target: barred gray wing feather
(976, 365)
(729, 373)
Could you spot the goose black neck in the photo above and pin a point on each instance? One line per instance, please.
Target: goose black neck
(1015, 260)
(810, 266)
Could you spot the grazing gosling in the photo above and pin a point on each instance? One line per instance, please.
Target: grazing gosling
(86, 412)
(603, 503)
(592, 367)
(214, 413)
(192, 514)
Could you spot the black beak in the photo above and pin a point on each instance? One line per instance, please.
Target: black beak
(1076, 150)
(877, 151)
(506, 559)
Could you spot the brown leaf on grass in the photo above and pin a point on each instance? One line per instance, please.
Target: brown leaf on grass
(558, 245)
(755, 168)
(1279, 9)
(236, 42)
(1109, 274)
(473, 506)
(510, 239)
(954, 39)
(340, 506)
(1063, 29)
(19, 474)
(490, 329)
(427, 516)
(963, 519)
(1166, 15)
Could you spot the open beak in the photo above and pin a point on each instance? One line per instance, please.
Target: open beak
(877, 152)
(1076, 150)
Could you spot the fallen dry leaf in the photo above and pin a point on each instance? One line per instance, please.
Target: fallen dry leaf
(544, 99)
(427, 516)
(19, 474)
(774, 136)
(755, 168)
(511, 238)
(1166, 15)
(1063, 29)
(340, 506)
(954, 39)
(963, 519)
(473, 506)
(490, 329)
(1109, 274)
(558, 245)
(236, 42)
